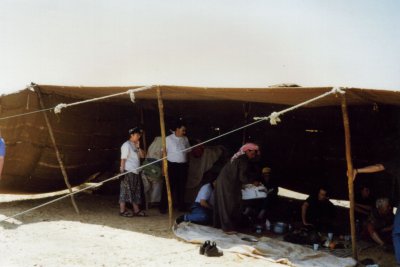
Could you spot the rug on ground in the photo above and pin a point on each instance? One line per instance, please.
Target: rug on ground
(266, 248)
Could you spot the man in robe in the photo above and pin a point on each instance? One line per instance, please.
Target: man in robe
(228, 194)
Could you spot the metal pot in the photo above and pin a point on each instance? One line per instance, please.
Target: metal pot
(280, 228)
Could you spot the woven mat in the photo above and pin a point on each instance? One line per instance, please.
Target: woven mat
(266, 248)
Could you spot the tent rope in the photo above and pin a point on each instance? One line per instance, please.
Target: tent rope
(273, 116)
(25, 114)
(130, 92)
(57, 109)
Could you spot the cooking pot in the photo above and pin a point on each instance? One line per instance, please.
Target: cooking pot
(280, 228)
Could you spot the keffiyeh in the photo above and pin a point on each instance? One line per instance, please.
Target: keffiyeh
(243, 149)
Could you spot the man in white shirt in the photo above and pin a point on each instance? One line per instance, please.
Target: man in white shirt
(177, 166)
(131, 187)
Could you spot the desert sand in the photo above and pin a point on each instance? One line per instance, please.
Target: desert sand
(55, 235)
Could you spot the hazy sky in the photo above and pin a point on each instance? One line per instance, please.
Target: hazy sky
(252, 43)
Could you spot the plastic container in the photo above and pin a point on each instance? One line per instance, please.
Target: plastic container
(267, 225)
(280, 228)
(259, 229)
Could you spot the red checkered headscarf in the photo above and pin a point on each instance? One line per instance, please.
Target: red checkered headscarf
(244, 148)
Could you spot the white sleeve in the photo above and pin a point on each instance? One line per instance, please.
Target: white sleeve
(167, 144)
(124, 151)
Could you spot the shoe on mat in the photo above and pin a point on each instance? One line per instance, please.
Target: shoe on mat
(204, 246)
(180, 219)
(212, 251)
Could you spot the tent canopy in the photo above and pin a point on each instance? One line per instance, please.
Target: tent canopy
(307, 146)
(270, 95)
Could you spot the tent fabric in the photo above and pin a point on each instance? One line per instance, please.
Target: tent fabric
(152, 174)
(270, 95)
(197, 167)
(89, 135)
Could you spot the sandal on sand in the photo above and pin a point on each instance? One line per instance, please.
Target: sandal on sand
(125, 214)
(140, 213)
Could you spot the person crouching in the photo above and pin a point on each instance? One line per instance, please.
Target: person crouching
(201, 211)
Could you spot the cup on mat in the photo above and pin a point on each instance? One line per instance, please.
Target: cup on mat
(330, 236)
(315, 247)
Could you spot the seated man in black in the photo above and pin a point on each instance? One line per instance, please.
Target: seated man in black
(364, 202)
(318, 211)
(267, 204)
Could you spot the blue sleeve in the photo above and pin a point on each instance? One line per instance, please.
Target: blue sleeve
(2, 148)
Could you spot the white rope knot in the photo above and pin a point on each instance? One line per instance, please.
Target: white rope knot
(337, 90)
(132, 95)
(274, 118)
(58, 108)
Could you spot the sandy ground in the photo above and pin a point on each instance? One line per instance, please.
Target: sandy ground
(55, 235)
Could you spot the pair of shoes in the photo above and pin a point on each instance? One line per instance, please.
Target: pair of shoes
(180, 219)
(210, 249)
(140, 213)
(203, 247)
(125, 213)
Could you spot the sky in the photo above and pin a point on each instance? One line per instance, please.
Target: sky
(219, 43)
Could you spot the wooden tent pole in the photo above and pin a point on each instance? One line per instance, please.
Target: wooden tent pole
(164, 153)
(58, 155)
(144, 130)
(246, 109)
(347, 135)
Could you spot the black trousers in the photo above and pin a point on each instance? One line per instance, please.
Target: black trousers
(177, 173)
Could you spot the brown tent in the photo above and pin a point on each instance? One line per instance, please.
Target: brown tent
(305, 148)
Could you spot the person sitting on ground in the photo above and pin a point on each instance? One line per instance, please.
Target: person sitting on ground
(364, 202)
(393, 182)
(318, 211)
(256, 209)
(272, 193)
(201, 211)
(379, 224)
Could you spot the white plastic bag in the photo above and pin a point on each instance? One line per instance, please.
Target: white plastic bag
(251, 191)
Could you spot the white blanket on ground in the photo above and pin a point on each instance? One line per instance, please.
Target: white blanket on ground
(267, 248)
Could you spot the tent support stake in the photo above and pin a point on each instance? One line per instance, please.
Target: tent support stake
(347, 135)
(164, 153)
(58, 155)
